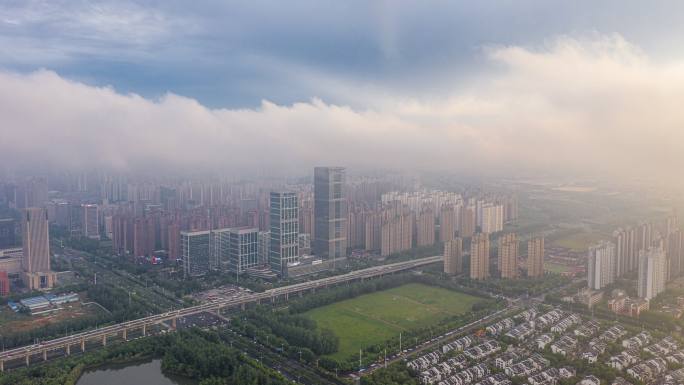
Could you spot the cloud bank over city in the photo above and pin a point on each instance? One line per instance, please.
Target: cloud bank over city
(596, 103)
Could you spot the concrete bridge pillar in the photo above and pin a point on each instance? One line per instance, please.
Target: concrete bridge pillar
(28, 359)
(44, 354)
(125, 335)
(144, 330)
(173, 323)
(68, 350)
(242, 306)
(2, 366)
(104, 340)
(287, 296)
(82, 345)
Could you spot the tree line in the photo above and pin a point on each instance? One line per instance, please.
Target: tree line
(195, 354)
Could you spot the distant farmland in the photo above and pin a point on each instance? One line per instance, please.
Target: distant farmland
(373, 318)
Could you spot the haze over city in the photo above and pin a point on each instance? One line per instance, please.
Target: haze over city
(341, 192)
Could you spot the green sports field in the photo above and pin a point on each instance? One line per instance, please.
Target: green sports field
(376, 317)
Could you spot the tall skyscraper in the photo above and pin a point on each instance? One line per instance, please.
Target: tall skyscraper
(373, 235)
(447, 223)
(196, 252)
(492, 218)
(625, 259)
(479, 256)
(535, 257)
(36, 240)
(90, 225)
(652, 271)
(644, 236)
(467, 222)
(453, 256)
(508, 256)
(356, 230)
(396, 233)
(425, 228)
(284, 213)
(674, 254)
(174, 230)
(36, 248)
(143, 236)
(601, 265)
(330, 213)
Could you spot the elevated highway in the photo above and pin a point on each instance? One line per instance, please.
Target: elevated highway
(79, 340)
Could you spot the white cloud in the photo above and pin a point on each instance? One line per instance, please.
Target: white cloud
(598, 105)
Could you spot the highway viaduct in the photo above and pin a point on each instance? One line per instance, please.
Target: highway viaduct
(142, 325)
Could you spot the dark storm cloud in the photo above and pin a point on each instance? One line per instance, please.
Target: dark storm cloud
(233, 54)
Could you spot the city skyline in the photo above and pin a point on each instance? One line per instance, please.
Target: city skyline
(325, 193)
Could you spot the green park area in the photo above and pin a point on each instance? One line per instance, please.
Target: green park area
(373, 318)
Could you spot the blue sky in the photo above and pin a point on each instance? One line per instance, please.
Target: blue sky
(234, 54)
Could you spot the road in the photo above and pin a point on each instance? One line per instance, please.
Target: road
(290, 368)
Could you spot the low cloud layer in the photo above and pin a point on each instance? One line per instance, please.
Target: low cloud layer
(598, 105)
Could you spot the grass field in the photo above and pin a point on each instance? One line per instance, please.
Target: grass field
(376, 317)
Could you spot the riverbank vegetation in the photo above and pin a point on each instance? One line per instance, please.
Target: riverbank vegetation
(196, 354)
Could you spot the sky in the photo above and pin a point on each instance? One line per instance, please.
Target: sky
(497, 87)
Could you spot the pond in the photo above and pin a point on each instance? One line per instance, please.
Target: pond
(141, 372)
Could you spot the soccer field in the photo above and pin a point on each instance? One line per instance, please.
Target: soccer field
(376, 317)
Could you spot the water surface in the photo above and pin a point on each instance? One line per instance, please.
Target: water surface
(143, 372)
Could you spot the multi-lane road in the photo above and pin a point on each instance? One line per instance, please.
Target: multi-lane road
(79, 339)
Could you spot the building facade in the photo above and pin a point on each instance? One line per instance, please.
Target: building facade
(90, 224)
(36, 248)
(453, 256)
(508, 256)
(284, 234)
(243, 249)
(479, 256)
(601, 265)
(425, 228)
(492, 218)
(36, 240)
(625, 251)
(196, 252)
(447, 223)
(535, 257)
(652, 273)
(330, 213)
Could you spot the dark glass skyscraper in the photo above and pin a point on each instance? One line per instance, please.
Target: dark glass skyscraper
(196, 252)
(330, 213)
